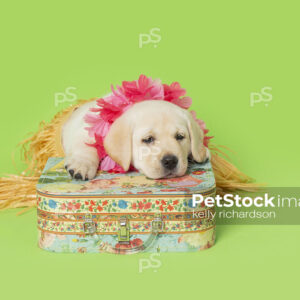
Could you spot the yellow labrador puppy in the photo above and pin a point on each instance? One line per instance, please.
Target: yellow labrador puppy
(154, 136)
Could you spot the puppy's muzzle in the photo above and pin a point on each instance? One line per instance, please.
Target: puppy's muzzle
(169, 162)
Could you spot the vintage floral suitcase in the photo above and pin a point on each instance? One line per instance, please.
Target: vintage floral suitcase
(124, 213)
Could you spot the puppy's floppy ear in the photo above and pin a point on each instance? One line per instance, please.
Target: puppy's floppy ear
(199, 152)
(117, 142)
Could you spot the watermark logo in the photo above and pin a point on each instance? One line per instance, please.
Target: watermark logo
(229, 200)
(264, 96)
(269, 206)
(150, 38)
(146, 151)
(150, 263)
(67, 96)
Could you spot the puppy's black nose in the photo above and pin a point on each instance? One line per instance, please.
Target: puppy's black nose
(169, 162)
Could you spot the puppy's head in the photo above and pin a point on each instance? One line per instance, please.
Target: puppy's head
(156, 137)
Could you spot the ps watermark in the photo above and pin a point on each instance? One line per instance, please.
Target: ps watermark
(153, 37)
(264, 96)
(145, 151)
(67, 96)
(150, 263)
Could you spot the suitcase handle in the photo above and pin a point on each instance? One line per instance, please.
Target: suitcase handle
(156, 227)
(124, 235)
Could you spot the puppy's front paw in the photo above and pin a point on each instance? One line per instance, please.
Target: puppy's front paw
(204, 155)
(81, 168)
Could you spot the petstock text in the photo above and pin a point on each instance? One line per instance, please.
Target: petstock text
(277, 206)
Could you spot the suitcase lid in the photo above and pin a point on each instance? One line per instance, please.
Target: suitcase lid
(55, 181)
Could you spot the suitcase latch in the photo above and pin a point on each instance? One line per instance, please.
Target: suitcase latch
(157, 224)
(89, 226)
(124, 232)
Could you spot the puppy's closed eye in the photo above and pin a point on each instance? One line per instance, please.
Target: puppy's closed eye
(179, 136)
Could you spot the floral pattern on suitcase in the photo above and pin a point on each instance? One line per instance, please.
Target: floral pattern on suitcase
(63, 205)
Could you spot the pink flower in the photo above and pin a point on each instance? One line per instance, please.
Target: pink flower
(108, 164)
(184, 102)
(121, 99)
(111, 108)
(99, 146)
(99, 126)
(173, 92)
(143, 89)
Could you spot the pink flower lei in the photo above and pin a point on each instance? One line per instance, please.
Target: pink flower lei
(122, 98)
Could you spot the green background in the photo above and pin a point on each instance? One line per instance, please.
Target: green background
(221, 52)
